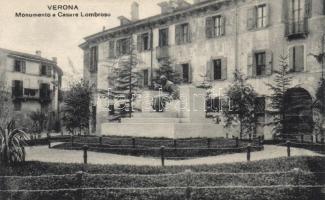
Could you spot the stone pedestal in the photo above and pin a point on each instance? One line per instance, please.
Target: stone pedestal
(184, 118)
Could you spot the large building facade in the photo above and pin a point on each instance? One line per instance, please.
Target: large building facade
(35, 83)
(210, 39)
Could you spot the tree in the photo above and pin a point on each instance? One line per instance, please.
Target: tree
(281, 83)
(125, 82)
(77, 103)
(319, 107)
(6, 108)
(166, 69)
(241, 108)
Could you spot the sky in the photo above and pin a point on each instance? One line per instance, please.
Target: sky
(60, 37)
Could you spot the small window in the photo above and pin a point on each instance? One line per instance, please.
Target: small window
(217, 69)
(143, 42)
(296, 59)
(186, 73)
(93, 59)
(260, 109)
(30, 92)
(123, 46)
(261, 16)
(182, 34)
(260, 63)
(43, 70)
(19, 66)
(163, 37)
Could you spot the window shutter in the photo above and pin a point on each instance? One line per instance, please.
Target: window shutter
(251, 15)
(291, 58)
(40, 69)
(209, 70)
(128, 45)
(111, 52)
(249, 65)
(308, 8)
(223, 25)
(48, 71)
(118, 48)
(285, 11)
(139, 43)
(299, 51)
(189, 33)
(178, 34)
(209, 23)
(23, 66)
(190, 71)
(224, 68)
(254, 65)
(268, 62)
(268, 14)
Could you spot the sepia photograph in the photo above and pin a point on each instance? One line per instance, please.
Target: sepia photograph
(162, 100)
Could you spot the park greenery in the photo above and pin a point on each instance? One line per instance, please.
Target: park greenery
(76, 107)
(241, 109)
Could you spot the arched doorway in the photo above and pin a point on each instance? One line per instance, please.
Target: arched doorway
(298, 112)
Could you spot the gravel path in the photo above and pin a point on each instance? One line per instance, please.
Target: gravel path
(42, 153)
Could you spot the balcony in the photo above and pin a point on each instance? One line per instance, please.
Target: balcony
(162, 52)
(297, 29)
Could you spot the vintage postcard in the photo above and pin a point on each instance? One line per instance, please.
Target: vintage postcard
(162, 99)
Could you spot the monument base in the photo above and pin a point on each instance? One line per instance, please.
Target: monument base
(184, 118)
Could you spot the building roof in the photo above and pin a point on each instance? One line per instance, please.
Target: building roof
(152, 19)
(32, 57)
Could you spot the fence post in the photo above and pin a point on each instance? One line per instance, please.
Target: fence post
(209, 143)
(188, 190)
(237, 142)
(249, 152)
(85, 148)
(100, 140)
(133, 143)
(288, 148)
(162, 148)
(49, 141)
(78, 192)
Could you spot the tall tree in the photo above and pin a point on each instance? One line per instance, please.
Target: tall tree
(166, 68)
(319, 107)
(241, 108)
(6, 108)
(77, 102)
(281, 83)
(125, 82)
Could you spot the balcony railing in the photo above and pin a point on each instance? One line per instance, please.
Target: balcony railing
(162, 52)
(297, 29)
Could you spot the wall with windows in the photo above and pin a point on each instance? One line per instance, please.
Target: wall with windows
(250, 36)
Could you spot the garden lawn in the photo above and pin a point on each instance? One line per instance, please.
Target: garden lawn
(169, 182)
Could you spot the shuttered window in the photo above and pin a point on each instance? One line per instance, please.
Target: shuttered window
(122, 46)
(260, 63)
(143, 42)
(20, 66)
(17, 88)
(296, 58)
(258, 17)
(93, 59)
(217, 69)
(182, 34)
(215, 26)
(163, 37)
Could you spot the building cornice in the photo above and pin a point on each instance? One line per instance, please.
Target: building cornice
(155, 21)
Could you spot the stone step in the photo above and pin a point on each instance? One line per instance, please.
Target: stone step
(172, 130)
(155, 120)
(155, 115)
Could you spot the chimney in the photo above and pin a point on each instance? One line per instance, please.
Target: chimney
(38, 53)
(135, 11)
(165, 7)
(55, 59)
(123, 20)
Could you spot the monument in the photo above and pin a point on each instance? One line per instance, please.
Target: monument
(183, 118)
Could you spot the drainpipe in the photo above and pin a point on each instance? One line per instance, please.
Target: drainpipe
(151, 56)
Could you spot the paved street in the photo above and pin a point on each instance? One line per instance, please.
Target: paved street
(42, 153)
